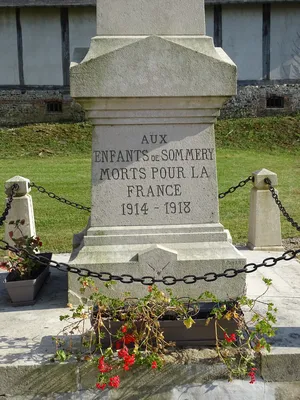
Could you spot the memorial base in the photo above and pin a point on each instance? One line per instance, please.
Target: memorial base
(144, 253)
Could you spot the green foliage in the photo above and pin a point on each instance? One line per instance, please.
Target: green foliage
(268, 134)
(46, 140)
(21, 265)
(268, 282)
(239, 351)
(61, 356)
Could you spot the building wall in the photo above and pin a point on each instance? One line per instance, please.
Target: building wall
(9, 70)
(82, 25)
(251, 101)
(42, 49)
(37, 44)
(19, 107)
(209, 19)
(285, 41)
(242, 40)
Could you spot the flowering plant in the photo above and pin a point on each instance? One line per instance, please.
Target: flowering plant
(125, 332)
(239, 350)
(21, 266)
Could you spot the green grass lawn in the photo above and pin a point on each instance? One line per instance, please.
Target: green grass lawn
(65, 168)
(67, 176)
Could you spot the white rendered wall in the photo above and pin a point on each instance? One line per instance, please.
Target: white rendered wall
(42, 46)
(9, 70)
(242, 38)
(209, 19)
(82, 25)
(285, 41)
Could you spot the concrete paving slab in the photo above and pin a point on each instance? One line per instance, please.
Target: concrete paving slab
(283, 363)
(26, 344)
(216, 390)
(26, 332)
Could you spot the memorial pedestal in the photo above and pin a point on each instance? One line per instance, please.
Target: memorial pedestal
(153, 101)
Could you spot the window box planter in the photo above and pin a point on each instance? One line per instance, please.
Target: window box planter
(174, 330)
(24, 292)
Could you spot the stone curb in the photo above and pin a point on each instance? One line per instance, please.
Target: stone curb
(71, 377)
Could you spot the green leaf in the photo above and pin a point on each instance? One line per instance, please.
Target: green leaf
(61, 355)
(268, 282)
(63, 317)
(189, 322)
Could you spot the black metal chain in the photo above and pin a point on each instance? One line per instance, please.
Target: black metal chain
(149, 280)
(14, 188)
(232, 189)
(52, 195)
(280, 206)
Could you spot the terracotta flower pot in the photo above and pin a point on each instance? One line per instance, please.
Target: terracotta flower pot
(24, 292)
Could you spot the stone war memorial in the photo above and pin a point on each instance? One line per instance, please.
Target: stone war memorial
(153, 84)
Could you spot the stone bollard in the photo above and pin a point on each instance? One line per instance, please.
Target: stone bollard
(264, 222)
(21, 210)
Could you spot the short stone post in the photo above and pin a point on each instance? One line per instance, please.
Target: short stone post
(21, 210)
(264, 222)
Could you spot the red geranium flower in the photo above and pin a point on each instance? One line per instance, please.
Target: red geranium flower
(252, 375)
(123, 352)
(3, 265)
(100, 386)
(231, 338)
(129, 360)
(118, 344)
(102, 366)
(114, 381)
(129, 339)
(154, 365)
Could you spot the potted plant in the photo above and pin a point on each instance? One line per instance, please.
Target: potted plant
(166, 311)
(26, 276)
(125, 332)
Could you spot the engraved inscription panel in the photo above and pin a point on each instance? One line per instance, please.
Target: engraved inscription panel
(154, 175)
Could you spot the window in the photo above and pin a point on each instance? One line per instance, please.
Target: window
(275, 102)
(54, 107)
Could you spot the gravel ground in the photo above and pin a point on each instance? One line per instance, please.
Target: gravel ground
(291, 243)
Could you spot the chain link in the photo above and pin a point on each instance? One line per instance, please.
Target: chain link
(232, 189)
(280, 206)
(150, 280)
(52, 195)
(14, 188)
